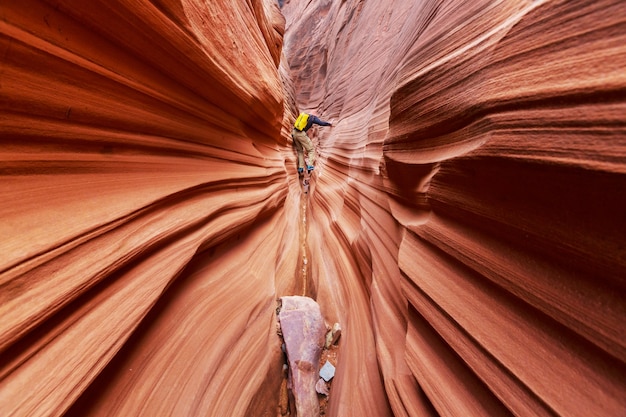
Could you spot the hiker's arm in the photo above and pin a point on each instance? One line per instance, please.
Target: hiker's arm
(319, 121)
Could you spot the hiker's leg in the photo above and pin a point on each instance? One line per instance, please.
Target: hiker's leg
(299, 150)
(307, 144)
(300, 156)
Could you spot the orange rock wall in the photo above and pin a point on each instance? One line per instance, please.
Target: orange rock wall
(466, 216)
(146, 221)
(469, 202)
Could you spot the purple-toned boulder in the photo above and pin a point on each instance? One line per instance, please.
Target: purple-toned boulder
(303, 330)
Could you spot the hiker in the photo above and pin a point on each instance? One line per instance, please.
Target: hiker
(302, 142)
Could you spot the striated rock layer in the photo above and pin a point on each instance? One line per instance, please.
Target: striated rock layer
(303, 330)
(466, 216)
(469, 203)
(147, 221)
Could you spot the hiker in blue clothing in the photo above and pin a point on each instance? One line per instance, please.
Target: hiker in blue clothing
(302, 142)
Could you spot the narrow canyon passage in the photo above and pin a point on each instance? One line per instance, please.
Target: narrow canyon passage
(456, 225)
(304, 249)
(464, 224)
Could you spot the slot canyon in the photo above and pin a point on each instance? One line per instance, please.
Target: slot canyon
(465, 223)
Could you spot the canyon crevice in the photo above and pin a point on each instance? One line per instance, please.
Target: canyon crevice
(465, 221)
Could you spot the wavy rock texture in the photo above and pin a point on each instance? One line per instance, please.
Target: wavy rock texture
(468, 204)
(466, 216)
(147, 219)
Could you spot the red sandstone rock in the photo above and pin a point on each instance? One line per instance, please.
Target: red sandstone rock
(465, 221)
(469, 200)
(303, 330)
(140, 141)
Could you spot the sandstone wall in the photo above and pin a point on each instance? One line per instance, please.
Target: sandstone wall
(145, 220)
(466, 216)
(469, 203)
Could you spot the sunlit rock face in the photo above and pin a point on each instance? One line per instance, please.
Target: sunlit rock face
(466, 215)
(468, 207)
(146, 218)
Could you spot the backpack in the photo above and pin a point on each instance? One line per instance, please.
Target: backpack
(301, 121)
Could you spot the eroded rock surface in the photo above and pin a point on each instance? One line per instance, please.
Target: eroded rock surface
(467, 205)
(303, 331)
(145, 225)
(465, 220)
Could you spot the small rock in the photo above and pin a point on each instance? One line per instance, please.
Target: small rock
(329, 339)
(333, 335)
(328, 371)
(336, 333)
(321, 387)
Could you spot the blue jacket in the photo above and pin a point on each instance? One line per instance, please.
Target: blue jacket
(314, 120)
